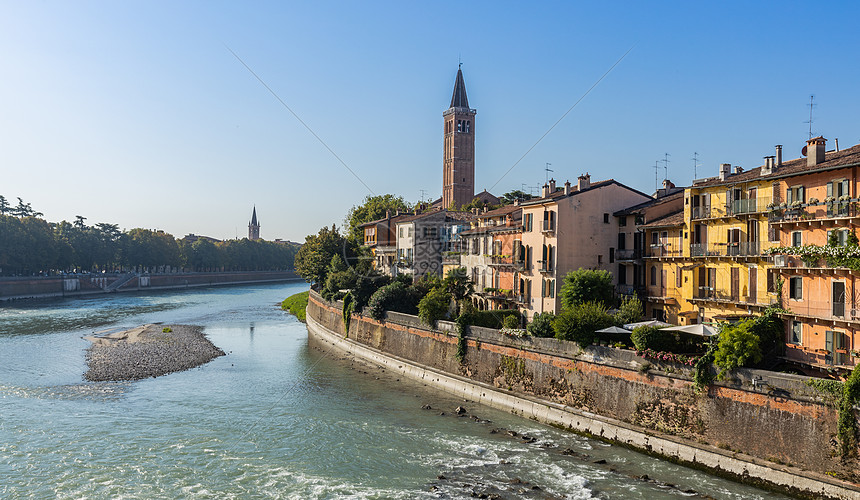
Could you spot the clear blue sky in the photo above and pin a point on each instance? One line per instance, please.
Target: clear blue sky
(136, 113)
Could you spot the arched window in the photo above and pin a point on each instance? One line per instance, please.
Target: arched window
(653, 275)
(459, 125)
(468, 123)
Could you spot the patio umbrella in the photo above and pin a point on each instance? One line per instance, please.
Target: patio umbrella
(697, 329)
(653, 322)
(613, 329)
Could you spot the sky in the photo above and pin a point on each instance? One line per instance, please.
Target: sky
(139, 113)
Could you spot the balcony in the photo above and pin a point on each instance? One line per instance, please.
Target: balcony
(813, 212)
(710, 294)
(748, 206)
(545, 266)
(663, 250)
(629, 290)
(451, 259)
(625, 255)
(506, 261)
(701, 212)
(735, 249)
(824, 310)
(548, 226)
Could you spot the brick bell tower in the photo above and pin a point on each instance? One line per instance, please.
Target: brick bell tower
(458, 160)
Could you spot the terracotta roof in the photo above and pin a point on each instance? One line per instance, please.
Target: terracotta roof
(505, 210)
(394, 218)
(832, 159)
(460, 216)
(671, 220)
(494, 229)
(650, 203)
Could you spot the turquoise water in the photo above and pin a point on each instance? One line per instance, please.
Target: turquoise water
(274, 419)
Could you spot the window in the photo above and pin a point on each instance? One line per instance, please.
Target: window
(795, 193)
(640, 219)
(527, 222)
(611, 255)
(606, 218)
(459, 125)
(622, 274)
(599, 260)
(655, 239)
(795, 289)
(796, 239)
(622, 241)
(771, 281)
(678, 277)
(468, 125)
(837, 238)
(653, 275)
(796, 333)
(622, 221)
(552, 288)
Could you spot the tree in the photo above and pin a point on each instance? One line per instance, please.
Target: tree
(541, 325)
(372, 208)
(584, 285)
(630, 311)
(457, 284)
(5, 208)
(512, 196)
(652, 337)
(578, 323)
(738, 346)
(313, 259)
(434, 306)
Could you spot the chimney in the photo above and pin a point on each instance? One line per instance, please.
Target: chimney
(583, 182)
(767, 169)
(667, 185)
(738, 170)
(545, 191)
(517, 202)
(388, 214)
(485, 208)
(397, 212)
(725, 170)
(815, 151)
(551, 186)
(837, 144)
(778, 156)
(566, 188)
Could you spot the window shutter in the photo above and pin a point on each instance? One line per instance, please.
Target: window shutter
(770, 281)
(801, 196)
(844, 188)
(830, 189)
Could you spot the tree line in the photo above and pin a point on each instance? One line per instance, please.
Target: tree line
(30, 245)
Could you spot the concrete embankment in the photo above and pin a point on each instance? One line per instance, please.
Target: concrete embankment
(780, 439)
(148, 351)
(87, 285)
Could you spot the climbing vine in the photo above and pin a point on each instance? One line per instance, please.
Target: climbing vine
(461, 337)
(847, 426)
(702, 373)
(348, 305)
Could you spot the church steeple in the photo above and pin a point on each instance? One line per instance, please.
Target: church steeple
(459, 99)
(254, 226)
(458, 156)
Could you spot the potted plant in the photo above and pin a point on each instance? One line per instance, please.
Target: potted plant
(829, 199)
(813, 201)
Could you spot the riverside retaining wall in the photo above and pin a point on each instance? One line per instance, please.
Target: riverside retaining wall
(777, 432)
(84, 284)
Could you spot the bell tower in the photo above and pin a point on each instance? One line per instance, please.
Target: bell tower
(458, 158)
(254, 227)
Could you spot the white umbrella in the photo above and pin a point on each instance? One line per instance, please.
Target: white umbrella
(652, 322)
(697, 329)
(613, 329)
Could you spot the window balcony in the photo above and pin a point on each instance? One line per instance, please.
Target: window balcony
(548, 226)
(814, 212)
(662, 250)
(545, 266)
(625, 254)
(824, 310)
(701, 212)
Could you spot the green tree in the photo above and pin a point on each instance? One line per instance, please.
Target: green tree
(586, 285)
(434, 306)
(5, 209)
(372, 208)
(580, 322)
(314, 257)
(738, 346)
(512, 196)
(541, 325)
(652, 337)
(458, 285)
(630, 311)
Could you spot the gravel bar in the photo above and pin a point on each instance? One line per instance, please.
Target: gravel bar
(148, 351)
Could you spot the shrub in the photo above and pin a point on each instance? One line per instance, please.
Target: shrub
(490, 319)
(579, 323)
(364, 288)
(511, 322)
(586, 285)
(296, 305)
(541, 325)
(393, 297)
(434, 306)
(630, 311)
(651, 337)
(847, 424)
(337, 281)
(738, 346)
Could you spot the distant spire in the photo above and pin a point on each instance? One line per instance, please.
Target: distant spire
(459, 99)
(254, 216)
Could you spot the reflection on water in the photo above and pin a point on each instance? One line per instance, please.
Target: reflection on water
(275, 418)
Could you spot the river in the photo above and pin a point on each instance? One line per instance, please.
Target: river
(275, 419)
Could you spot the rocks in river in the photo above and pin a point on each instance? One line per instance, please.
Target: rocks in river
(460, 410)
(148, 351)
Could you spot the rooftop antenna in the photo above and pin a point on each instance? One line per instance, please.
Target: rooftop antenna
(657, 174)
(695, 164)
(459, 61)
(665, 161)
(811, 106)
(422, 195)
(548, 170)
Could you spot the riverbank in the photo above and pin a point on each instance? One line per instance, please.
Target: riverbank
(732, 429)
(88, 285)
(148, 351)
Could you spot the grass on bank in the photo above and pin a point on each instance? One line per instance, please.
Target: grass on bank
(296, 305)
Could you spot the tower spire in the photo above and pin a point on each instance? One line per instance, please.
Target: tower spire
(254, 226)
(459, 99)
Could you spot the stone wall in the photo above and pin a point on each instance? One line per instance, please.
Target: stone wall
(783, 423)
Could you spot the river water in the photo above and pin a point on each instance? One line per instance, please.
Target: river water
(275, 419)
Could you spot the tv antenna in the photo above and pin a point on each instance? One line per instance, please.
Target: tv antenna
(548, 170)
(695, 164)
(657, 174)
(665, 161)
(811, 106)
(422, 195)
